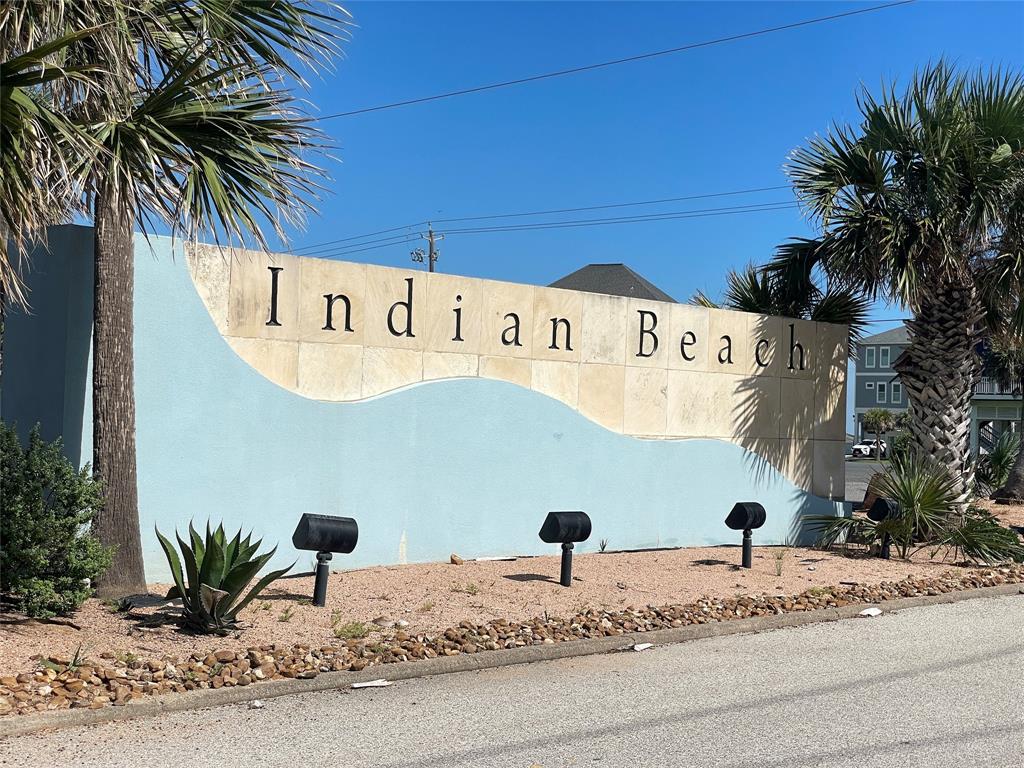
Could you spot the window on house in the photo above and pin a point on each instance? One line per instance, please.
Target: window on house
(883, 357)
(869, 357)
(870, 385)
(880, 392)
(897, 392)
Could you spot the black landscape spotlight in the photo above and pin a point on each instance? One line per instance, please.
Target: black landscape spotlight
(880, 511)
(325, 535)
(746, 516)
(565, 528)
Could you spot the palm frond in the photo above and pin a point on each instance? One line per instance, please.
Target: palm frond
(37, 189)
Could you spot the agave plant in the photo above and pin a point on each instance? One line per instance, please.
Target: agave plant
(218, 571)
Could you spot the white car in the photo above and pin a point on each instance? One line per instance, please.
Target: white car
(869, 448)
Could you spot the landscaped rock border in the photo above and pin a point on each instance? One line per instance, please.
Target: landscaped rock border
(114, 680)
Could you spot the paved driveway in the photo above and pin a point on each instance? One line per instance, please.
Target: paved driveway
(858, 475)
(936, 687)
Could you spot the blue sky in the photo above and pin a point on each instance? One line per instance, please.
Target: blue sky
(711, 120)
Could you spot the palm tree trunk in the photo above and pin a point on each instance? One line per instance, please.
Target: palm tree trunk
(113, 398)
(939, 370)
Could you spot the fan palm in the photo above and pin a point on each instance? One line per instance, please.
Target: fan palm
(191, 128)
(916, 204)
(789, 286)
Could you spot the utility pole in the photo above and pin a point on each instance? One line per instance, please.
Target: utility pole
(432, 253)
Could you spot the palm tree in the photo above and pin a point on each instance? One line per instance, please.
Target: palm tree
(789, 285)
(34, 140)
(879, 421)
(194, 130)
(915, 205)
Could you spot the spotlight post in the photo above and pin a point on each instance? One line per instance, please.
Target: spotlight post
(325, 535)
(565, 528)
(746, 516)
(885, 509)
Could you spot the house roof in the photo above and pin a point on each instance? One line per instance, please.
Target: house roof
(613, 279)
(892, 336)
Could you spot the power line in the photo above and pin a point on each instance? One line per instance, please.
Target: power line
(614, 205)
(357, 237)
(575, 223)
(397, 238)
(320, 246)
(614, 62)
(699, 213)
(409, 239)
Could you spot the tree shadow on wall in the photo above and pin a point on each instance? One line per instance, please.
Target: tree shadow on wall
(774, 416)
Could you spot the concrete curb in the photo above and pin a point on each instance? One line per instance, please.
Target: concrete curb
(16, 725)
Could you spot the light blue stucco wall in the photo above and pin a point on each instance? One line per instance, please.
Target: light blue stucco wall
(468, 466)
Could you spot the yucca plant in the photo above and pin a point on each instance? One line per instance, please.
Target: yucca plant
(993, 468)
(982, 539)
(216, 574)
(927, 499)
(930, 519)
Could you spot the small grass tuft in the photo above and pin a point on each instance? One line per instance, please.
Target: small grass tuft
(780, 556)
(352, 630)
(119, 605)
(427, 607)
(127, 658)
(602, 545)
(469, 589)
(286, 614)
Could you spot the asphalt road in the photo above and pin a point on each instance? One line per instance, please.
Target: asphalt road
(936, 687)
(858, 475)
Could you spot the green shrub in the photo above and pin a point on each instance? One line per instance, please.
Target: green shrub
(216, 574)
(47, 554)
(901, 444)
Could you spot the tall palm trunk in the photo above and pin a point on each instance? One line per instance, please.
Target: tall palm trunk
(1012, 491)
(113, 398)
(939, 370)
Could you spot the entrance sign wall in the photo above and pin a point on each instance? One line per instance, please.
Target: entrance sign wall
(445, 414)
(339, 331)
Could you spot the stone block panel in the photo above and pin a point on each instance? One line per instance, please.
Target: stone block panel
(829, 473)
(602, 394)
(454, 314)
(395, 308)
(330, 371)
(276, 360)
(556, 379)
(646, 401)
(255, 309)
(387, 369)
(332, 302)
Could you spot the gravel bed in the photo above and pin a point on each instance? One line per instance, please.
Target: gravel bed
(117, 678)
